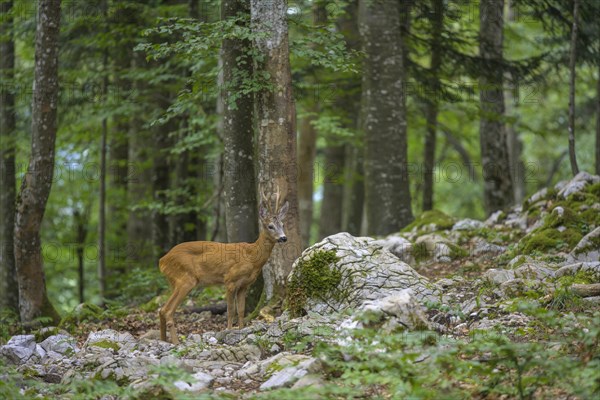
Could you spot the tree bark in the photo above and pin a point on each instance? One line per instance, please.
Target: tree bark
(388, 204)
(354, 191)
(239, 183)
(277, 135)
(102, 194)
(80, 219)
(498, 187)
(333, 191)
(238, 133)
(9, 294)
(116, 195)
(139, 183)
(354, 185)
(572, 73)
(513, 138)
(37, 183)
(307, 150)
(598, 124)
(431, 104)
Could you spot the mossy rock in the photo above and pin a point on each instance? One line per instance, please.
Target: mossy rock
(106, 344)
(314, 277)
(436, 218)
(561, 231)
(581, 278)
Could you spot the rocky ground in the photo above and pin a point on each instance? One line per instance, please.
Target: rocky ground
(441, 281)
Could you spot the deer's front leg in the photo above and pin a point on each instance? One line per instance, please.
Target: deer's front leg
(230, 307)
(241, 306)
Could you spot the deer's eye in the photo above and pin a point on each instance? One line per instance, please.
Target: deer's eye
(271, 227)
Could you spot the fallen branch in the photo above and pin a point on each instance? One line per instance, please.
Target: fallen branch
(219, 308)
(589, 290)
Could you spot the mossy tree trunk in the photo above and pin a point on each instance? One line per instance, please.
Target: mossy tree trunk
(36, 185)
(497, 186)
(9, 294)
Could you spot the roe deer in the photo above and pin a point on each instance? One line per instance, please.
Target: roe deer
(235, 265)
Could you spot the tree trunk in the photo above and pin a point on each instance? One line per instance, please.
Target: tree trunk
(354, 185)
(238, 133)
(572, 61)
(388, 204)
(513, 138)
(239, 183)
(116, 195)
(431, 105)
(354, 191)
(307, 150)
(102, 194)
(160, 178)
(37, 183)
(598, 124)
(333, 191)
(277, 135)
(498, 188)
(9, 294)
(80, 219)
(139, 183)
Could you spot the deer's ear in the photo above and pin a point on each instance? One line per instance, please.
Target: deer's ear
(262, 210)
(283, 211)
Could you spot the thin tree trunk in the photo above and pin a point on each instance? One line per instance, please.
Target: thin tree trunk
(572, 61)
(139, 183)
(354, 185)
(9, 294)
(160, 179)
(333, 191)
(37, 183)
(388, 203)
(307, 150)
(498, 188)
(598, 123)
(102, 200)
(80, 220)
(277, 135)
(431, 105)
(513, 138)
(354, 194)
(118, 149)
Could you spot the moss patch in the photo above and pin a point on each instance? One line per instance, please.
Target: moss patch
(435, 217)
(314, 277)
(580, 278)
(548, 237)
(106, 344)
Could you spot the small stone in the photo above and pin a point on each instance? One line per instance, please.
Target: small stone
(27, 341)
(199, 381)
(468, 225)
(498, 276)
(275, 348)
(15, 354)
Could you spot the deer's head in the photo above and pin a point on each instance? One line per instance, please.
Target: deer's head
(272, 218)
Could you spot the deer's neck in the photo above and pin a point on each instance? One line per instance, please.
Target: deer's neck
(265, 245)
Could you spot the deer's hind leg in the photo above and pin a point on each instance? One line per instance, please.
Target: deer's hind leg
(180, 290)
(230, 306)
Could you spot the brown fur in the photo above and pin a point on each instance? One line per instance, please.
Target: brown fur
(234, 265)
